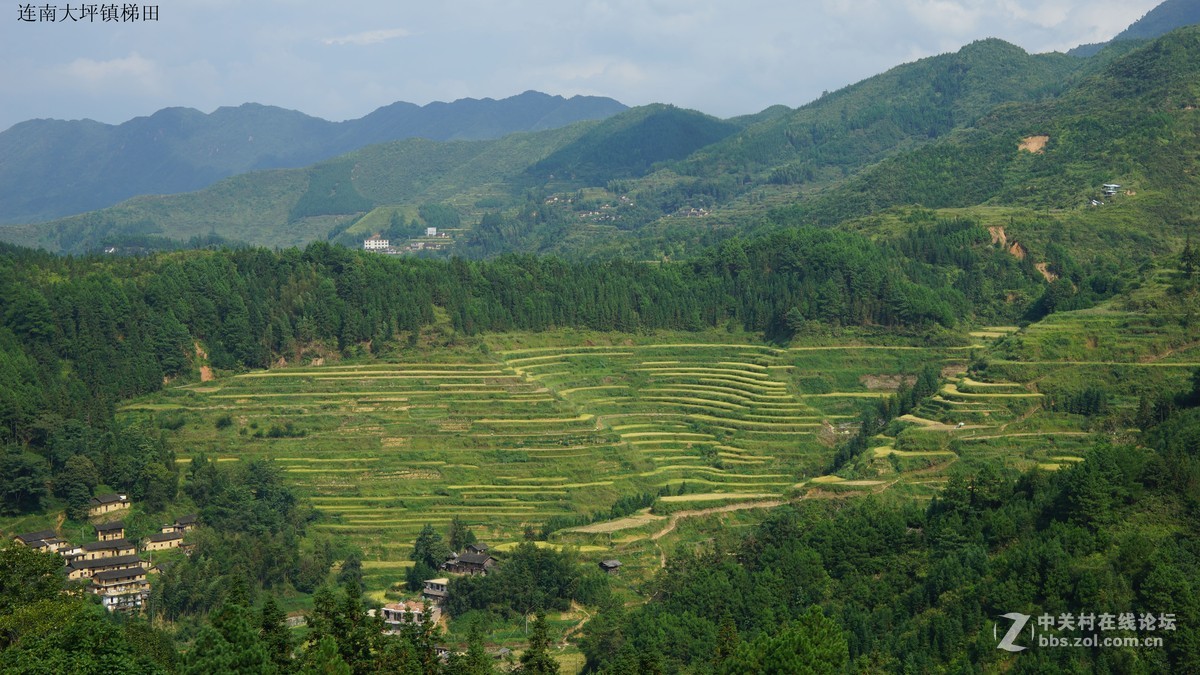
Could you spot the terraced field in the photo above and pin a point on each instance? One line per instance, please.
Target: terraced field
(511, 439)
(512, 436)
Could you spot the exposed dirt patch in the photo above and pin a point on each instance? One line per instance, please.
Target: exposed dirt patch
(1018, 251)
(320, 361)
(206, 374)
(620, 524)
(950, 372)
(200, 353)
(998, 236)
(1034, 144)
(884, 382)
(1044, 268)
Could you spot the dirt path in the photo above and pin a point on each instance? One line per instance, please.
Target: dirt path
(576, 607)
(744, 506)
(680, 515)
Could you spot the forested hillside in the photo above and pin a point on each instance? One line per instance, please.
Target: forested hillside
(1132, 124)
(54, 168)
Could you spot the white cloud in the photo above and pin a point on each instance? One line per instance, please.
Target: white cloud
(131, 72)
(369, 37)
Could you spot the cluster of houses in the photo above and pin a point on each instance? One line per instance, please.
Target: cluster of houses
(378, 244)
(111, 564)
(474, 560)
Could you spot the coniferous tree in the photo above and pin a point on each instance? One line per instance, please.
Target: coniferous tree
(275, 634)
(537, 659)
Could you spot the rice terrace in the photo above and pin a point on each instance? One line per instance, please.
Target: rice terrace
(512, 438)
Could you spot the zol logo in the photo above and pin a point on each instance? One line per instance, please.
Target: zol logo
(1019, 621)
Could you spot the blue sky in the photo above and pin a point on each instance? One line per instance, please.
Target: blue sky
(342, 61)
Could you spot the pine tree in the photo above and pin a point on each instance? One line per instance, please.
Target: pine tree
(323, 659)
(275, 634)
(537, 659)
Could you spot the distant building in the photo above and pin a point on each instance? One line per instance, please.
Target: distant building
(182, 524)
(431, 232)
(469, 563)
(121, 590)
(110, 531)
(436, 591)
(102, 504)
(376, 243)
(85, 569)
(397, 614)
(610, 566)
(162, 541)
(95, 550)
(33, 539)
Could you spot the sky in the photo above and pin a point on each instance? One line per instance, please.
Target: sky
(343, 60)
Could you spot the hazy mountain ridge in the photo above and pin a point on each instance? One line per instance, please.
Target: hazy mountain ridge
(1163, 19)
(1134, 123)
(53, 168)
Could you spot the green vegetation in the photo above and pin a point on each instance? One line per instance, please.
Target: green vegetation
(848, 449)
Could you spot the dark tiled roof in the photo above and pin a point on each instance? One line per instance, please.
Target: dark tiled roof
(474, 558)
(168, 536)
(610, 563)
(37, 536)
(110, 498)
(115, 561)
(110, 526)
(189, 519)
(477, 547)
(114, 544)
(111, 575)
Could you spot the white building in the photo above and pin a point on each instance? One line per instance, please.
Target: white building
(431, 232)
(376, 243)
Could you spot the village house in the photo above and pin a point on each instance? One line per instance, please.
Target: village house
(182, 524)
(611, 566)
(469, 563)
(477, 547)
(85, 569)
(46, 541)
(110, 531)
(102, 504)
(397, 614)
(436, 592)
(122, 589)
(95, 550)
(162, 541)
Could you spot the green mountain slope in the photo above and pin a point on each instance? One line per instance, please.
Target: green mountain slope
(1134, 124)
(904, 107)
(52, 168)
(627, 145)
(290, 207)
(1163, 19)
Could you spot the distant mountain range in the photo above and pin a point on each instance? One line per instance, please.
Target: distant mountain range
(1159, 21)
(989, 125)
(54, 168)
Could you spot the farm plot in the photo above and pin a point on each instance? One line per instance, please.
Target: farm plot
(511, 440)
(381, 449)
